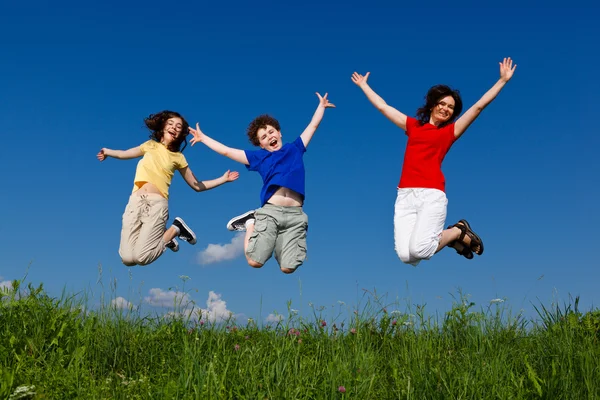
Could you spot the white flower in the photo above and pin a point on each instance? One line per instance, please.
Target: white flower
(23, 392)
(494, 301)
(184, 277)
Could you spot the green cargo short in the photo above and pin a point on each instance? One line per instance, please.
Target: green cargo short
(279, 229)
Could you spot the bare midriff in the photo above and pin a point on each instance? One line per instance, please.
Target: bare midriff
(147, 188)
(286, 198)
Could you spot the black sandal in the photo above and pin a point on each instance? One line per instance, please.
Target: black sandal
(465, 229)
(462, 249)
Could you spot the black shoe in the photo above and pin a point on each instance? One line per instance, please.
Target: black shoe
(185, 233)
(173, 244)
(239, 223)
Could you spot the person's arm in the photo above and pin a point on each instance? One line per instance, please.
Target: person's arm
(316, 119)
(134, 152)
(235, 154)
(506, 72)
(200, 186)
(390, 112)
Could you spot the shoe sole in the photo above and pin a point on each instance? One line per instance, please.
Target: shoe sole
(187, 228)
(230, 223)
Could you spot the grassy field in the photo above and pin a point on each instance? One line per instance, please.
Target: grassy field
(51, 349)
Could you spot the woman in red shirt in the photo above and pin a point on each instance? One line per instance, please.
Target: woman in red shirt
(420, 210)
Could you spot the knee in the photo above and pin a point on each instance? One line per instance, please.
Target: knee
(404, 256)
(423, 250)
(142, 259)
(128, 260)
(288, 270)
(253, 263)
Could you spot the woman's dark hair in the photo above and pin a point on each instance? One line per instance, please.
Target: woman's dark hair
(258, 123)
(156, 124)
(434, 95)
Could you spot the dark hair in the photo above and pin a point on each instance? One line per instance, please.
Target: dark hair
(156, 124)
(260, 122)
(434, 95)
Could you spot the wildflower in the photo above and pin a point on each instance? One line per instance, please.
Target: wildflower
(341, 303)
(394, 322)
(201, 322)
(342, 389)
(294, 312)
(247, 337)
(184, 277)
(353, 331)
(299, 341)
(236, 347)
(494, 301)
(23, 392)
(323, 324)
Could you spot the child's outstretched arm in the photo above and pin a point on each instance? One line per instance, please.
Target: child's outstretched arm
(235, 154)
(390, 112)
(200, 186)
(316, 119)
(506, 72)
(134, 152)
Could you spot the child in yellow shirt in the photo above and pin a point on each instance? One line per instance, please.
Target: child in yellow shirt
(144, 236)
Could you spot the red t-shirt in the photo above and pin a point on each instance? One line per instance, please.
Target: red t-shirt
(426, 148)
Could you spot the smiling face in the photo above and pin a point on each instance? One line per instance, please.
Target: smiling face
(172, 131)
(269, 138)
(443, 110)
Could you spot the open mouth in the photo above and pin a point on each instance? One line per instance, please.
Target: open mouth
(273, 143)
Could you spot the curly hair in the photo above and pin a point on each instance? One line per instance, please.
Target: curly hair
(433, 97)
(260, 122)
(156, 124)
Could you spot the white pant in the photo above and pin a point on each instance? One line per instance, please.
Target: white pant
(419, 217)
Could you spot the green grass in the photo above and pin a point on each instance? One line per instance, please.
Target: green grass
(66, 353)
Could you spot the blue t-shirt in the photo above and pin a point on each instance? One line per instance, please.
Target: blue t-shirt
(281, 168)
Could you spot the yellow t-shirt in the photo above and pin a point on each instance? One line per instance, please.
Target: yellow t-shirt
(157, 166)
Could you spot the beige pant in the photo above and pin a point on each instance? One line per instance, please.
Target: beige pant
(144, 222)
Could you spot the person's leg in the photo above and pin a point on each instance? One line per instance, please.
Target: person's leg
(290, 246)
(261, 235)
(428, 232)
(130, 231)
(405, 218)
(151, 244)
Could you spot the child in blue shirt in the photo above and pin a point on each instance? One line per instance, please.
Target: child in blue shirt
(280, 224)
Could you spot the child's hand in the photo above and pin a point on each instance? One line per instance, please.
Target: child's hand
(231, 176)
(324, 102)
(507, 69)
(360, 80)
(101, 156)
(197, 134)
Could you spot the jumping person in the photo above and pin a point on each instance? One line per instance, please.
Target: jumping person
(143, 235)
(280, 224)
(420, 209)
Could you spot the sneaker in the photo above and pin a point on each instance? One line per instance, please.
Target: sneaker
(185, 233)
(173, 244)
(239, 223)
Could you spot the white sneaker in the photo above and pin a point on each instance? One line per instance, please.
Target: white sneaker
(173, 244)
(239, 223)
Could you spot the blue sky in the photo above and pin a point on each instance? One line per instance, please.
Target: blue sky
(76, 78)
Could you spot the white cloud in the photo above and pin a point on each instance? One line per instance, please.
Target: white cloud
(5, 285)
(121, 303)
(164, 298)
(216, 308)
(215, 253)
(215, 311)
(274, 318)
